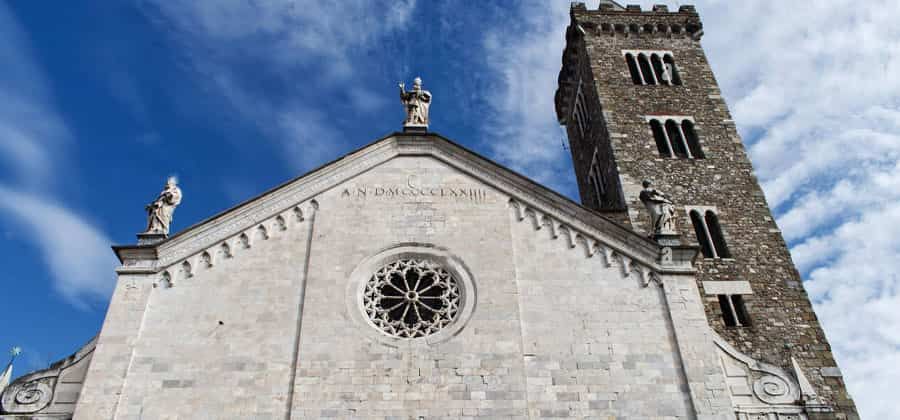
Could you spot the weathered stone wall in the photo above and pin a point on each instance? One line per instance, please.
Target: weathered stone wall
(555, 329)
(784, 323)
(220, 342)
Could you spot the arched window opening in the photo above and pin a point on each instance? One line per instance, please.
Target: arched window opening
(669, 62)
(675, 139)
(633, 68)
(662, 144)
(693, 143)
(702, 237)
(658, 70)
(715, 233)
(646, 69)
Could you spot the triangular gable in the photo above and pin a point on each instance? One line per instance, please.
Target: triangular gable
(291, 202)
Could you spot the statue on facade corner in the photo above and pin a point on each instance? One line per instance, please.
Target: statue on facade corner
(416, 101)
(661, 209)
(159, 212)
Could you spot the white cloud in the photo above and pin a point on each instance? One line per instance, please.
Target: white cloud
(521, 123)
(815, 86)
(33, 137)
(76, 252)
(820, 82)
(287, 41)
(26, 130)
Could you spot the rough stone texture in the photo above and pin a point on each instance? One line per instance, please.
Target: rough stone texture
(783, 321)
(569, 319)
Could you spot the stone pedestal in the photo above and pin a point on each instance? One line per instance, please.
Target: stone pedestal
(415, 128)
(147, 238)
(667, 239)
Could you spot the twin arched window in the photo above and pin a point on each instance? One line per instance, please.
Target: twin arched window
(652, 68)
(676, 137)
(709, 234)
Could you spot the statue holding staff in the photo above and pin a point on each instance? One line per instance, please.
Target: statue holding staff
(416, 101)
(159, 212)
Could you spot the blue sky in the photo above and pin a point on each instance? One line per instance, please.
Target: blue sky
(104, 100)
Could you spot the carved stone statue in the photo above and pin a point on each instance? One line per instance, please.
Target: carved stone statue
(159, 212)
(416, 101)
(661, 209)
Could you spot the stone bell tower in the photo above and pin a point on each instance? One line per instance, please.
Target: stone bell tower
(639, 101)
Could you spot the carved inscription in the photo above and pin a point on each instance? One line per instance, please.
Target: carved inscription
(413, 191)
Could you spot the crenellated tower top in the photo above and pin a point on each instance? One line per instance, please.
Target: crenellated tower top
(614, 20)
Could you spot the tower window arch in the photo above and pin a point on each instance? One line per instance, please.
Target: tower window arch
(648, 67)
(690, 137)
(709, 233)
(675, 137)
(673, 130)
(669, 63)
(633, 69)
(658, 69)
(659, 136)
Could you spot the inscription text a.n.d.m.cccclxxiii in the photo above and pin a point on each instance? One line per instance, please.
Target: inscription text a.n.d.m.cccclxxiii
(413, 190)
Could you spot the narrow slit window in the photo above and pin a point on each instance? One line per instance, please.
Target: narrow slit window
(734, 312)
(633, 69)
(715, 233)
(674, 133)
(743, 318)
(693, 143)
(658, 70)
(727, 312)
(662, 144)
(646, 69)
(702, 235)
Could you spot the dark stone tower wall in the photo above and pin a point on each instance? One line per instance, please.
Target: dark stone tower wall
(782, 321)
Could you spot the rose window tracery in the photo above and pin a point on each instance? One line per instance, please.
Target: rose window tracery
(411, 298)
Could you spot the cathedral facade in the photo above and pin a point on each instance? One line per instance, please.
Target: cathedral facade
(415, 279)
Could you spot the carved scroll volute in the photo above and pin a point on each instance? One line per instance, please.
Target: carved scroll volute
(772, 389)
(28, 397)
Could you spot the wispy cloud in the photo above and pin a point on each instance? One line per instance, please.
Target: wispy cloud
(243, 49)
(76, 252)
(34, 134)
(28, 132)
(521, 121)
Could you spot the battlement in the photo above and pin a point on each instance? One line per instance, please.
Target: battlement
(613, 19)
(609, 6)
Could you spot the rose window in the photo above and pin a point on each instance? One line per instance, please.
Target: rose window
(411, 298)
